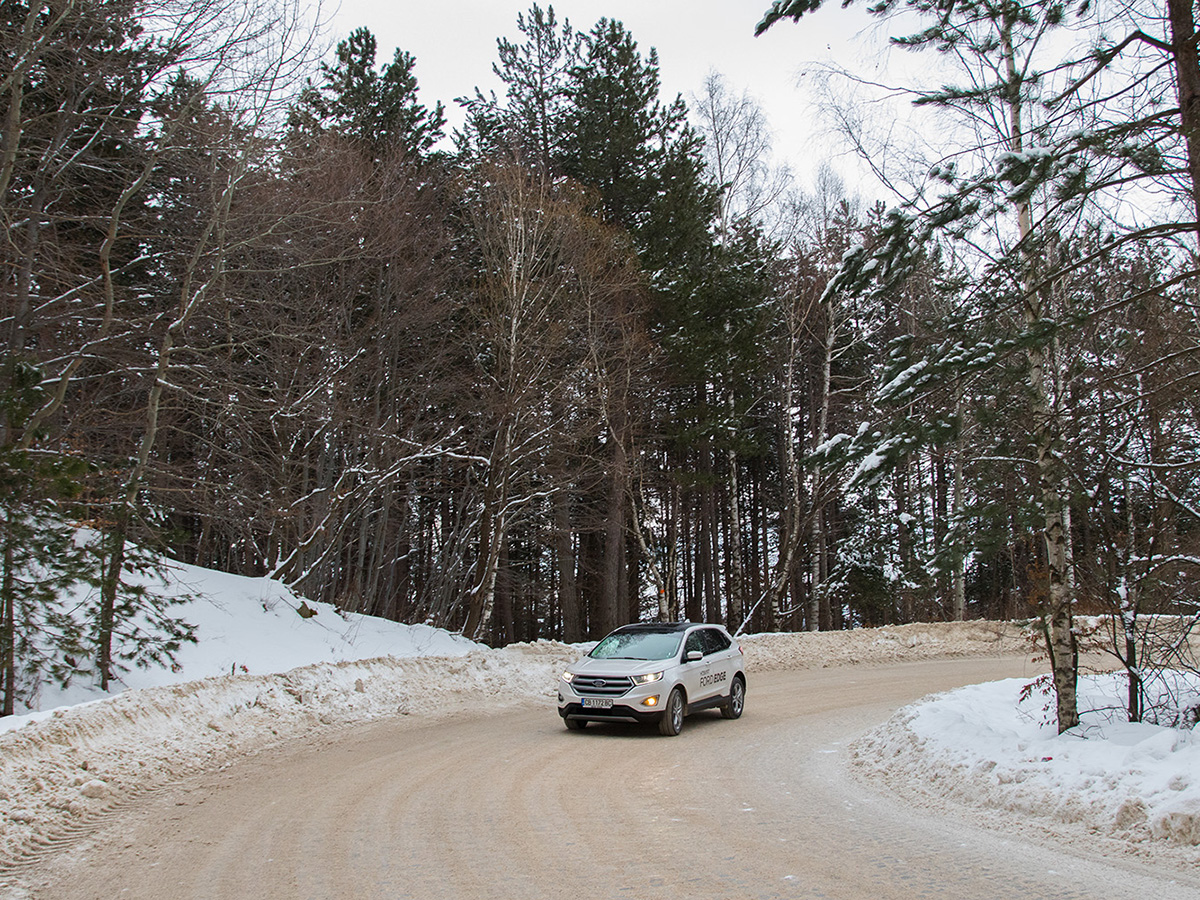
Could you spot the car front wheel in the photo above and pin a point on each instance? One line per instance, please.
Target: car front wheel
(575, 724)
(732, 707)
(671, 722)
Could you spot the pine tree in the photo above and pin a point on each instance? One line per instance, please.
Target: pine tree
(41, 560)
(375, 108)
(530, 125)
(994, 43)
(647, 165)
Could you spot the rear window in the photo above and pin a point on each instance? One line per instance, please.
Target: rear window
(714, 641)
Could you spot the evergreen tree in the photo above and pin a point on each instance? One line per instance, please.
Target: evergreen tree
(996, 43)
(41, 560)
(645, 162)
(530, 125)
(640, 154)
(375, 108)
(1059, 144)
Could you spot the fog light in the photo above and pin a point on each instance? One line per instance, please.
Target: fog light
(650, 701)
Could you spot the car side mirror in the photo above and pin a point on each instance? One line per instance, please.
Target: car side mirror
(694, 655)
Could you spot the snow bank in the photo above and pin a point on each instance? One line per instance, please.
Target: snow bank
(65, 768)
(254, 626)
(892, 643)
(268, 666)
(987, 746)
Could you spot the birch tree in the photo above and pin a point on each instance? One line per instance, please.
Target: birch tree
(994, 45)
(528, 228)
(1077, 136)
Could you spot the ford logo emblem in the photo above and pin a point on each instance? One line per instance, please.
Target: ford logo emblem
(599, 682)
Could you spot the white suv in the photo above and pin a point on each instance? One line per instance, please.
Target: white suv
(655, 672)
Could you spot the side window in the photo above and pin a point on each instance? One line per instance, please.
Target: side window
(694, 642)
(714, 641)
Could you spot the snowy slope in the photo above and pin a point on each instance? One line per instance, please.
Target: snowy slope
(260, 674)
(252, 626)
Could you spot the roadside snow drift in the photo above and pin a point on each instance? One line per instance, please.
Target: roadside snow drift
(57, 773)
(986, 746)
(257, 626)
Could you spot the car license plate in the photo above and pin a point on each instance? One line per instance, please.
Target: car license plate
(597, 702)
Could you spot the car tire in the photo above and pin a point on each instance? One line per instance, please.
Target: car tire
(575, 724)
(736, 701)
(671, 722)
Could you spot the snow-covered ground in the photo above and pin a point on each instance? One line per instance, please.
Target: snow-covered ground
(996, 746)
(253, 626)
(262, 674)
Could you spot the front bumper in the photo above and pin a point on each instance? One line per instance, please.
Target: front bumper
(631, 706)
(618, 713)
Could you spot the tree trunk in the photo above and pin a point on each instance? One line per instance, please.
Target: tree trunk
(959, 575)
(631, 561)
(693, 578)
(614, 543)
(505, 626)
(109, 586)
(736, 606)
(483, 591)
(904, 543)
(1057, 616)
(564, 552)
(8, 632)
(813, 620)
(712, 543)
(1187, 83)
(671, 601)
(819, 602)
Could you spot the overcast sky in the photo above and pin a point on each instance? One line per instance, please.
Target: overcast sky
(455, 45)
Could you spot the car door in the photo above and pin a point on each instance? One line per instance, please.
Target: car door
(720, 656)
(693, 675)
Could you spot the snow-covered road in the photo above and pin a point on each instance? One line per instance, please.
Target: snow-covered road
(480, 805)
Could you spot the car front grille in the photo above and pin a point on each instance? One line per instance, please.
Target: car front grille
(602, 685)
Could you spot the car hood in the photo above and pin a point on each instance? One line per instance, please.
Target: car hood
(589, 666)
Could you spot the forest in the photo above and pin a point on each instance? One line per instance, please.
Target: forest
(593, 358)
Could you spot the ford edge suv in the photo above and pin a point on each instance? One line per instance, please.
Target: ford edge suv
(655, 673)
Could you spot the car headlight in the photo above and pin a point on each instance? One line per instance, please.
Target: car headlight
(646, 679)
(568, 677)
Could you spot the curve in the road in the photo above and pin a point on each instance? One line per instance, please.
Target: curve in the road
(515, 806)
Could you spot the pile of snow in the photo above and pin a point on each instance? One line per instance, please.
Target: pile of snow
(891, 643)
(256, 626)
(262, 673)
(70, 764)
(268, 666)
(997, 746)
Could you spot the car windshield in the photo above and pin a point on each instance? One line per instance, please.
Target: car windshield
(638, 645)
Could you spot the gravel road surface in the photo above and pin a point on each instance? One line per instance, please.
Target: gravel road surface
(516, 807)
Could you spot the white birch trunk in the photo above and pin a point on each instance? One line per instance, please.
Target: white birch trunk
(1057, 615)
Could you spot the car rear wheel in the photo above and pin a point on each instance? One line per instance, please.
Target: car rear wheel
(732, 707)
(671, 722)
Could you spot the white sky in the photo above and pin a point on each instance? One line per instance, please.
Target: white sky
(455, 45)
